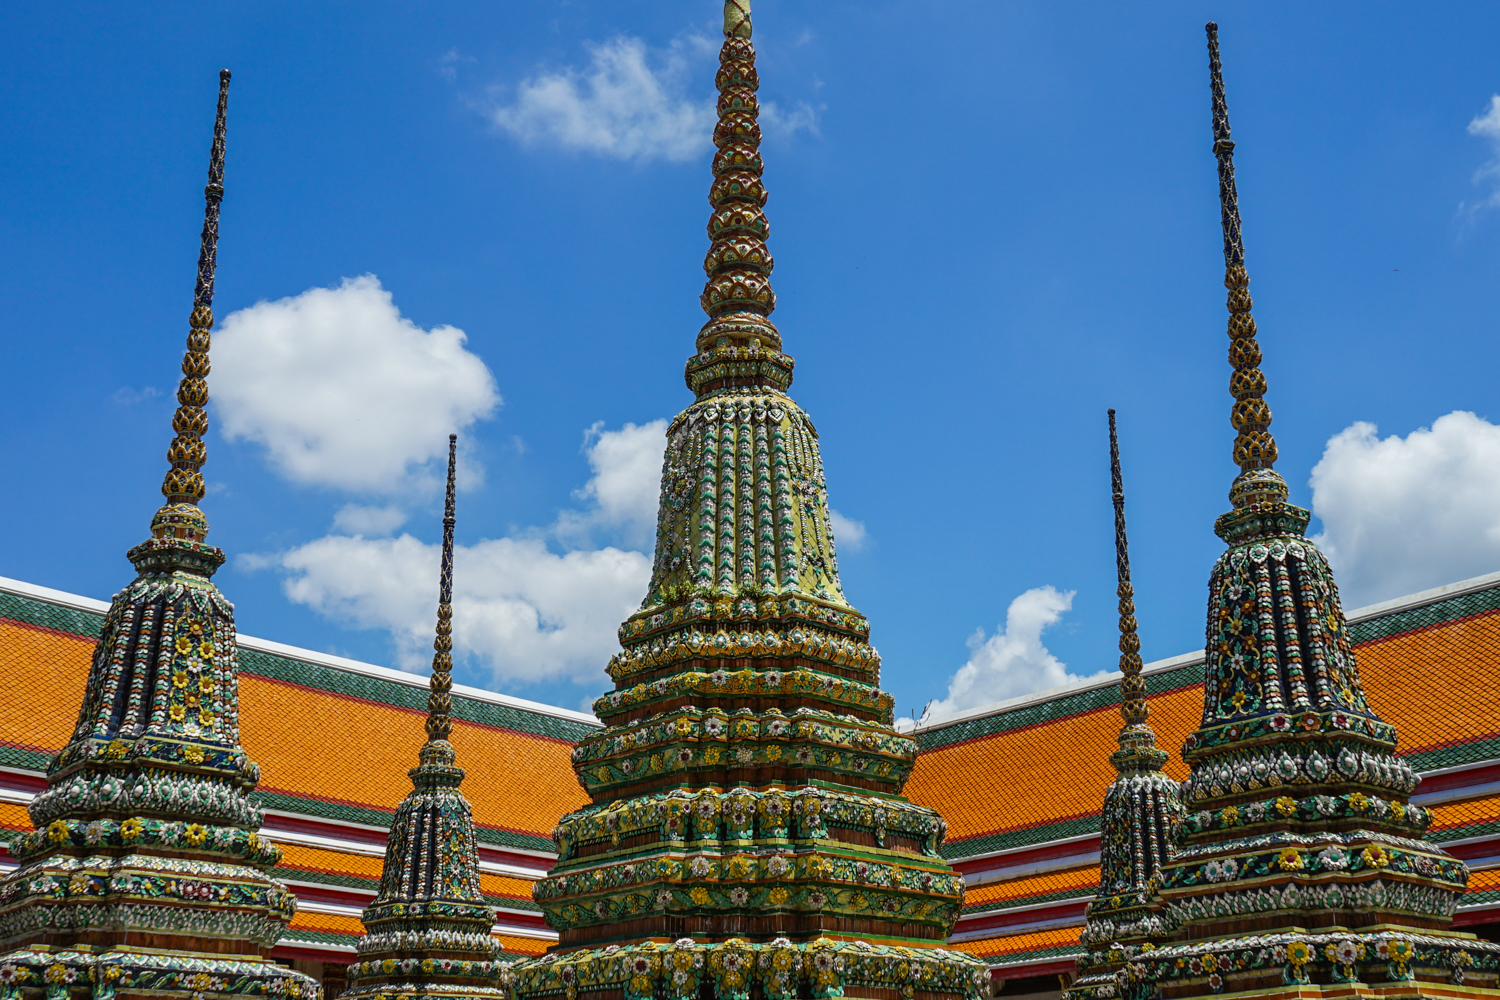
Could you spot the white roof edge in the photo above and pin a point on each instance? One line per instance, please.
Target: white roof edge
(1422, 597)
(1406, 603)
(311, 656)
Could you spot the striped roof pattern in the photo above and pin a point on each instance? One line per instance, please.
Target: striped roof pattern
(301, 715)
(1410, 652)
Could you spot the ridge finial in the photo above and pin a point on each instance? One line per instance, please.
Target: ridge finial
(1254, 446)
(737, 19)
(440, 700)
(184, 481)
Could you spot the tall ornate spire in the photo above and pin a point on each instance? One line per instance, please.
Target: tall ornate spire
(427, 934)
(1301, 860)
(1141, 808)
(147, 874)
(738, 347)
(1254, 447)
(747, 785)
(440, 700)
(184, 481)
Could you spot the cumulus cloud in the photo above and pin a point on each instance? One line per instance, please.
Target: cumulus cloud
(522, 612)
(848, 534)
(1013, 662)
(629, 103)
(343, 391)
(623, 493)
(519, 610)
(357, 519)
(1404, 514)
(1487, 126)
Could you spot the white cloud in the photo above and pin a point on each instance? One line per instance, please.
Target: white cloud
(520, 610)
(1012, 662)
(1404, 514)
(357, 519)
(627, 104)
(343, 391)
(625, 488)
(129, 395)
(631, 103)
(848, 534)
(1487, 126)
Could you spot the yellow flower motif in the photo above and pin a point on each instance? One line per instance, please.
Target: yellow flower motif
(192, 701)
(201, 981)
(778, 896)
(177, 712)
(1286, 805)
(130, 829)
(1397, 810)
(1210, 963)
(206, 649)
(814, 866)
(179, 679)
(683, 727)
(111, 973)
(1238, 701)
(193, 754)
(602, 773)
(1298, 953)
(1230, 815)
(57, 831)
(388, 966)
(206, 684)
(1358, 802)
(699, 896)
(195, 627)
(773, 752)
(195, 834)
(253, 842)
(115, 751)
(184, 645)
(712, 755)
(1376, 856)
(55, 973)
(1289, 859)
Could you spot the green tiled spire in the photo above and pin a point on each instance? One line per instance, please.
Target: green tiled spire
(1141, 809)
(1302, 860)
(427, 934)
(747, 834)
(146, 875)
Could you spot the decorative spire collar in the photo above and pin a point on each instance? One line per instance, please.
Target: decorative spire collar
(1259, 493)
(1138, 750)
(738, 347)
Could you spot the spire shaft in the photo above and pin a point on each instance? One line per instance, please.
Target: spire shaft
(739, 346)
(440, 700)
(1133, 707)
(184, 481)
(1254, 447)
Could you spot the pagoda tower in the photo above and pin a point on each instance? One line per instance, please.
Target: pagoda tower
(146, 874)
(747, 833)
(1302, 867)
(427, 934)
(1141, 808)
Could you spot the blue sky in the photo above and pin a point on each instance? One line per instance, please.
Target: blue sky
(991, 223)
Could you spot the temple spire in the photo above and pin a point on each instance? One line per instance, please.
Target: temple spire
(427, 933)
(440, 700)
(1141, 808)
(184, 481)
(1254, 447)
(739, 347)
(1133, 707)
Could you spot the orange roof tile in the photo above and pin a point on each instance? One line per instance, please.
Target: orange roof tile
(1033, 889)
(1009, 947)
